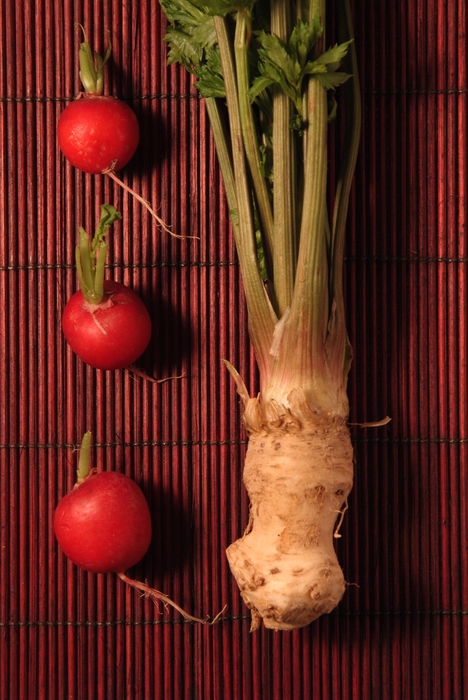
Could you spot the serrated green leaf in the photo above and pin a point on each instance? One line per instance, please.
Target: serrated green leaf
(205, 34)
(210, 81)
(190, 32)
(213, 59)
(184, 49)
(260, 83)
(273, 73)
(303, 38)
(330, 81)
(275, 52)
(314, 67)
(222, 8)
(181, 12)
(334, 56)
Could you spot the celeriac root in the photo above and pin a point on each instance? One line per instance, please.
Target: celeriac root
(298, 473)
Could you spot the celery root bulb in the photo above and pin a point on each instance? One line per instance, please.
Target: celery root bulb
(298, 473)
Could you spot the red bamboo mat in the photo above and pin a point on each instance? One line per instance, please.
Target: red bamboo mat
(401, 632)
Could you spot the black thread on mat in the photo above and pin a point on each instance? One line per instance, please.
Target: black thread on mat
(232, 263)
(227, 618)
(402, 259)
(196, 96)
(221, 443)
(143, 443)
(120, 265)
(415, 91)
(157, 96)
(416, 441)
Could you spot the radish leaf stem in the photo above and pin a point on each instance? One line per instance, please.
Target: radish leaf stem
(84, 458)
(91, 256)
(92, 66)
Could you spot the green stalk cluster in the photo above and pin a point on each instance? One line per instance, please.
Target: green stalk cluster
(90, 256)
(268, 82)
(92, 66)
(84, 458)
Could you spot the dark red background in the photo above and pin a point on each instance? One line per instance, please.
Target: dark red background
(401, 632)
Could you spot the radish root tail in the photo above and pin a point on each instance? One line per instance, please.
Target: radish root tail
(157, 595)
(140, 373)
(110, 171)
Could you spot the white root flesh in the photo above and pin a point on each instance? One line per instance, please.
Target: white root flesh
(298, 476)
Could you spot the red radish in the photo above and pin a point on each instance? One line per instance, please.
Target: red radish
(105, 323)
(99, 134)
(111, 334)
(104, 525)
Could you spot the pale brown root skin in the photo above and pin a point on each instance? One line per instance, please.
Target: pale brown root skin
(298, 476)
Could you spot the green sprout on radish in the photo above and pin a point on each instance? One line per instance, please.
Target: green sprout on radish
(90, 256)
(92, 66)
(105, 322)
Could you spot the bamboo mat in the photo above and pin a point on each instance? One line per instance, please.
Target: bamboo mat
(401, 631)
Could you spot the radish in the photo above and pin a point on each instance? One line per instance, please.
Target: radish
(111, 334)
(268, 85)
(105, 323)
(104, 525)
(97, 133)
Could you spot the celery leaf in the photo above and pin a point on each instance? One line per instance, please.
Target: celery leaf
(222, 8)
(183, 48)
(275, 53)
(303, 37)
(209, 75)
(330, 81)
(334, 56)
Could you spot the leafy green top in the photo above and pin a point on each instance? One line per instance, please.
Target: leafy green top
(91, 256)
(286, 65)
(193, 43)
(266, 84)
(92, 66)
